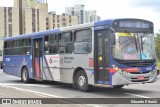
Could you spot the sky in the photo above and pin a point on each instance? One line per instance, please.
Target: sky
(107, 9)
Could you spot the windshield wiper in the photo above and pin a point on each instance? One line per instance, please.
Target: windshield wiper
(128, 40)
(135, 42)
(125, 41)
(142, 43)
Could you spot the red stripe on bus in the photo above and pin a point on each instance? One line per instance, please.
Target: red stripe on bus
(111, 70)
(131, 69)
(37, 67)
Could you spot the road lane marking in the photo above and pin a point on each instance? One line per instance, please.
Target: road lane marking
(36, 85)
(31, 91)
(43, 94)
(137, 95)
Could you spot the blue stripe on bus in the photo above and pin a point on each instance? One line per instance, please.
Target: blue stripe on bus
(100, 82)
(33, 35)
(48, 68)
(106, 82)
(104, 22)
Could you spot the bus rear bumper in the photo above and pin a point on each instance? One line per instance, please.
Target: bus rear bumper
(120, 78)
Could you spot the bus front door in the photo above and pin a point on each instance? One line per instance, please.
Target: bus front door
(37, 58)
(102, 57)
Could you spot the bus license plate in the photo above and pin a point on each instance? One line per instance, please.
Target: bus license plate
(140, 78)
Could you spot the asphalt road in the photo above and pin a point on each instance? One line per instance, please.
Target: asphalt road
(12, 87)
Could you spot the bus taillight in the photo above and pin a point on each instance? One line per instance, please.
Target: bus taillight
(91, 62)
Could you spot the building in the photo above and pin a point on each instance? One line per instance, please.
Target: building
(91, 16)
(83, 15)
(28, 16)
(77, 10)
(22, 19)
(9, 25)
(58, 21)
(32, 15)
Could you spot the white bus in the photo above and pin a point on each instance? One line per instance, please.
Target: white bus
(113, 52)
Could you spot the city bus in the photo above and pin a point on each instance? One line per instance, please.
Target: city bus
(114, 52)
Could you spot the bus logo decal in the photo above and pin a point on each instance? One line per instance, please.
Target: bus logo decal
(50, 61)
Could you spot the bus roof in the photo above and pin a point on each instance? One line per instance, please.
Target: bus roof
(80, 26)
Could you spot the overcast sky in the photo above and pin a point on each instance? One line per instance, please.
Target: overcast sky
(144, 9)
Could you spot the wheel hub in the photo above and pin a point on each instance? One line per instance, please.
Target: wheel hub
(24, 75)
(82, 80)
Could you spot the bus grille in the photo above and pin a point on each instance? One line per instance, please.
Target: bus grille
(140, 72)
(136, 80)
(138, 63)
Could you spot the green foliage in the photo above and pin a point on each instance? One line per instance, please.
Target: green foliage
(0, 52)
(157, 45)
(158, 64)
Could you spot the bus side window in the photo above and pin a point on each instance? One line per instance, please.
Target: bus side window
(51, 44)
(26, 47)
(8, 47)
(17, 47)
(65, 42)
(83, 41)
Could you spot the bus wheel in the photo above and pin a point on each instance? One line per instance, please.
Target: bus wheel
(118, 86)
(82, 81)
(25, 75)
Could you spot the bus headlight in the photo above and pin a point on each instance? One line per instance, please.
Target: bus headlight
(124, 72)
(121, 71)
(116, 68)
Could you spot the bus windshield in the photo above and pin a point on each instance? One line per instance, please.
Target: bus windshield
(133, 46)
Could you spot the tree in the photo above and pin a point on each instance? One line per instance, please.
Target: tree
(157, 45)
(0, 52)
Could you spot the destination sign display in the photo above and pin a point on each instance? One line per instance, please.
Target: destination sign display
(133, 24)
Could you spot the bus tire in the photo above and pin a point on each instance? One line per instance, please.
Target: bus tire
(25, 75)
(82, 81)
(118, 86)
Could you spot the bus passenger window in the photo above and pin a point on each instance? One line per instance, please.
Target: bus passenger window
(65, 43)
(26, 47)
(8, 47)
(83, 41)
(16, 47)
(51, 44)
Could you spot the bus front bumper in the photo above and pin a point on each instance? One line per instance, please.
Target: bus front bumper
(126, 78)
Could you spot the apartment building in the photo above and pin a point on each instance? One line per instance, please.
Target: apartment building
(28, 16)
(84, 16)
(58, 21)
(9, 25)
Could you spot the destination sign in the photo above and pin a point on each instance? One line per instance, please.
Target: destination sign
(134, 24)
(139, 24)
